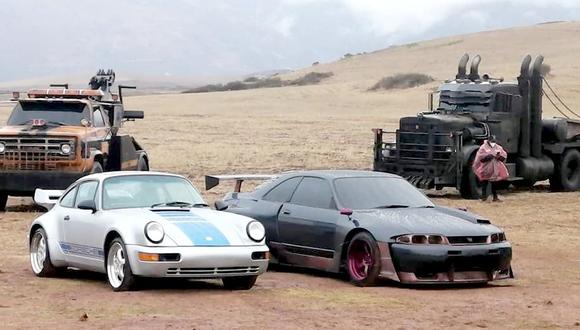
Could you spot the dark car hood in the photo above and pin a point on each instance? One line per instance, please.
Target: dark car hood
(420, 221)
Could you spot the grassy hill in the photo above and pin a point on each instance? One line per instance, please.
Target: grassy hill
(328, 125)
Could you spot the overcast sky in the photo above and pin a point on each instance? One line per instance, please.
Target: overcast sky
(224, 37)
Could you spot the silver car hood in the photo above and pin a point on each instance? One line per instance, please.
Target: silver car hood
(193, 227)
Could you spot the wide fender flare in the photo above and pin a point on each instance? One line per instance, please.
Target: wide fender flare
(57, 256)
(467, 152)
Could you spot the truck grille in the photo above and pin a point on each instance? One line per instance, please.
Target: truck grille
(425, 146)
(35, 152)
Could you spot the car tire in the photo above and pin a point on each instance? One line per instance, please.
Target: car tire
(97, 167)
(119, 274)
(239, 283)
(142, 165)
(363, 260)
(3, 201)
(567, 172)
(40, 256)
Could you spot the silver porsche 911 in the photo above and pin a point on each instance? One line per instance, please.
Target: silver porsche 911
(144, 224)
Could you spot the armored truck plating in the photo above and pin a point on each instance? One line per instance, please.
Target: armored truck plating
(436, 148)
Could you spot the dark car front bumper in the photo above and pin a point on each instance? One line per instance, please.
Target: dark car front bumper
(451, 263)
(23, 183)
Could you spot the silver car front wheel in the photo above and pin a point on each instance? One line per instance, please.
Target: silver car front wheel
(118, 269)
(39, 254)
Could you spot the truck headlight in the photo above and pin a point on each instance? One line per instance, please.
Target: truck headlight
(2, 147)
(256, 231)
(448, 149)
(154, 232)
(422, 239)
(65, 148)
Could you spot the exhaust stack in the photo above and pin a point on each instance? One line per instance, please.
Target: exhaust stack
(524, 86)
(474, 71)
(536, 107)
(462, 67)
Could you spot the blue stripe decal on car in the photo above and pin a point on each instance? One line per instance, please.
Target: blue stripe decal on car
(82, 250)
(200, 231)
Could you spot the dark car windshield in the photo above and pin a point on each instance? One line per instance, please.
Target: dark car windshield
(378, 192)
(53, 112)
(136, 191)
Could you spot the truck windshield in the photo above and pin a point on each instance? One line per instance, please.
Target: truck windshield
(53, 112)
(138, 191)
(362, 193)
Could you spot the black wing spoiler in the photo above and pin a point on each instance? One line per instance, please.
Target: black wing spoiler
(214, 180)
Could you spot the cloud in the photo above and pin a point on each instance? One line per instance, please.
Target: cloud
(196, 37)
(284, 26)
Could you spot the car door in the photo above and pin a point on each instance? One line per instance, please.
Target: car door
(81, 230)
(267, 208)
(307, 224)
(62, 211)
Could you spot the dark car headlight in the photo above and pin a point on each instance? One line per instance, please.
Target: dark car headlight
(496, 238)
(419, 239)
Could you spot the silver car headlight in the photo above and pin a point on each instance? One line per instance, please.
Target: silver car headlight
(65, 148)
(422, 239)
(256, 231)
(2, 147)
(154, 232)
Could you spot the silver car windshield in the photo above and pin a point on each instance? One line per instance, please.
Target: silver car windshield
(378, 192)
(137, 191)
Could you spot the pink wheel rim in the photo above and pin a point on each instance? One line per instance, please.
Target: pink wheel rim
(360, 260)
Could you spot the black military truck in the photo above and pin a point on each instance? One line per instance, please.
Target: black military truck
(436, 148)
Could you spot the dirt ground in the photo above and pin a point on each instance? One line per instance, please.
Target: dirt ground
(543, 227)
(313, 127)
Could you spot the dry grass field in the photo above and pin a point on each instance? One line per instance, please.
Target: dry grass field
(326, 126)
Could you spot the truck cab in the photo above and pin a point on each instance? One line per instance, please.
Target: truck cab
(55, 136)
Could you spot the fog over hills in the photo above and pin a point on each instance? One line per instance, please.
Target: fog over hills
(186, 41)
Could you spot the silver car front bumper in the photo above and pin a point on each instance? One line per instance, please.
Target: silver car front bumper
(199, 262)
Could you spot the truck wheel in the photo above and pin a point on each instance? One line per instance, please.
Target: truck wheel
(97, 167)
(567, 172)
(3, 201)
(142, 166)
(470, 186)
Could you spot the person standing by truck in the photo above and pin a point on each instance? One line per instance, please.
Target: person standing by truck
(489, 167)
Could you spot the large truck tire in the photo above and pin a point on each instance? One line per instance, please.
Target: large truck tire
(566, 175)
(97, 167)
(470, 187)
(3, 201)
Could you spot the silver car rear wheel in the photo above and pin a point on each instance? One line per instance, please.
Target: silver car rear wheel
(118, 269)
(39, 254)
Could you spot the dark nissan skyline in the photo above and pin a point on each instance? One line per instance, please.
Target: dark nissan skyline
(370, 225)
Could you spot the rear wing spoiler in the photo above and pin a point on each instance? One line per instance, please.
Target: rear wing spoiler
(214, 180)
(47, 197)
